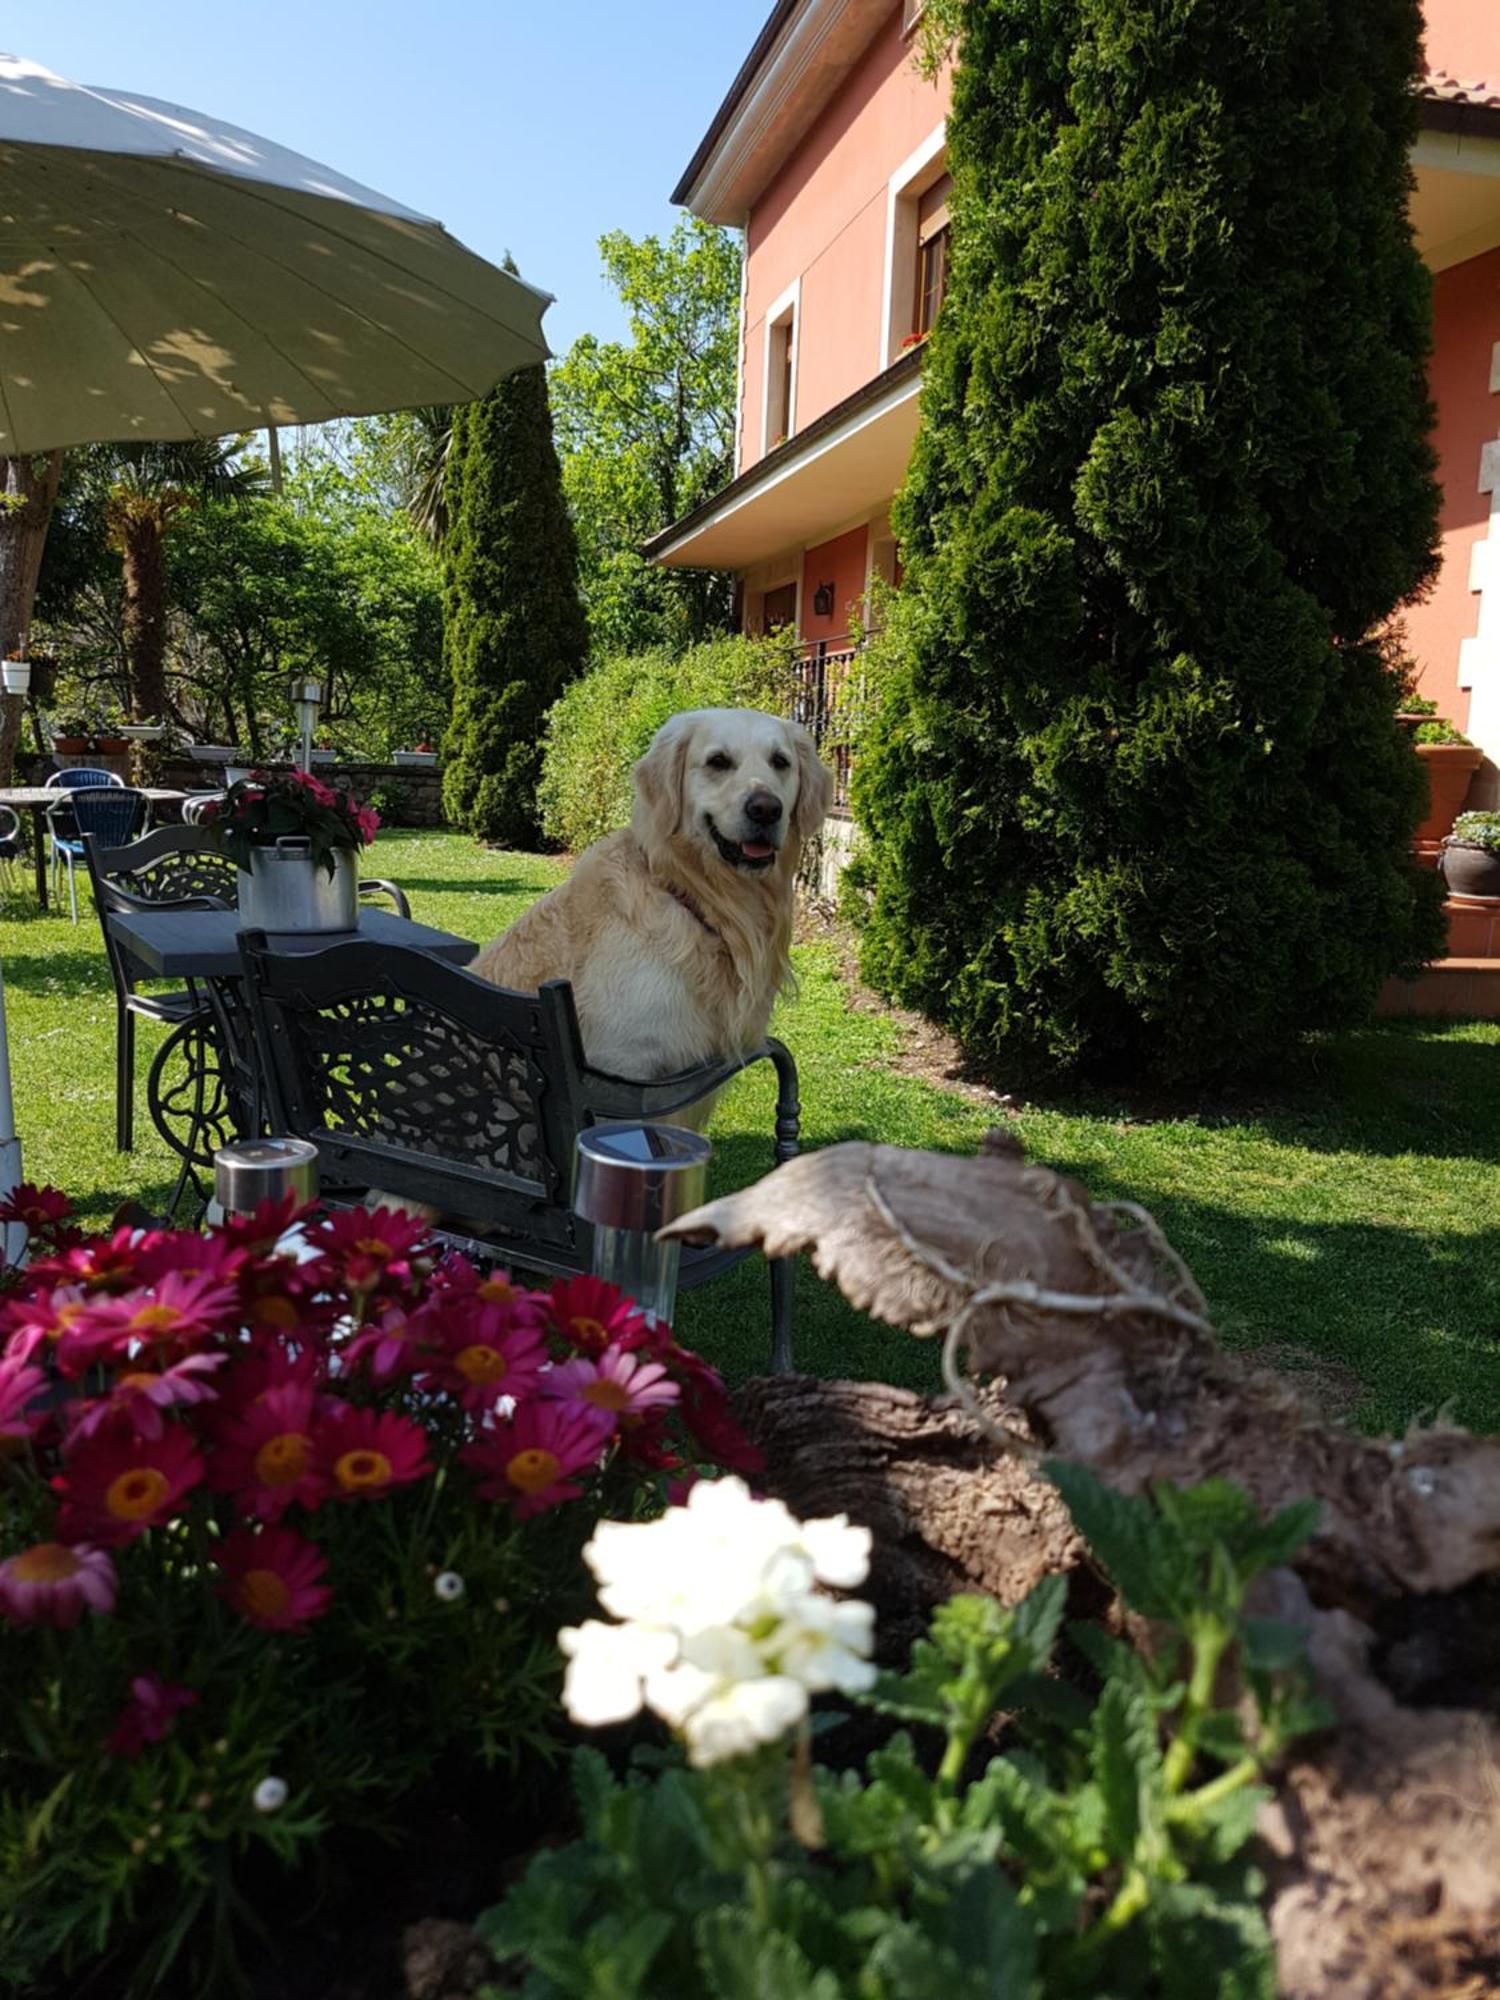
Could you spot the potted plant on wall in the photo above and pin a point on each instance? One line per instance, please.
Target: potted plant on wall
(1450, 761)
(70, 735)
(423, 758)
(295, 841)
(1470, 863)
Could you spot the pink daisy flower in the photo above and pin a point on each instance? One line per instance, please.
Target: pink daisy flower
(274, 1578)
(116, 1486)
(37, 1209)
(266, 1454)
(619, 1384)
(139, 1396)
(368, 1452)
(165, 1319)
(483, 1352)
(50, 1584)
(42, 1319)
(527, 1461)
(153, 1706)
(591, 1315)
(366, 1248)
(20, 1386)
(393, 1343)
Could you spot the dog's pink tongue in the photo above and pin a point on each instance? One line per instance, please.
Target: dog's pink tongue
(756, 850)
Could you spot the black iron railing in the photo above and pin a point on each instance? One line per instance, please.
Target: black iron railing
(828, 689)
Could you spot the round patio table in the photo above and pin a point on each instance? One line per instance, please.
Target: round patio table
(36, 799)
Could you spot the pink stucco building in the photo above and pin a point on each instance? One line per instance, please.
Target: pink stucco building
(828, 153)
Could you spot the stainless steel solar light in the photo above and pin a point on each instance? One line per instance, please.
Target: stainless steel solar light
(632, 1181)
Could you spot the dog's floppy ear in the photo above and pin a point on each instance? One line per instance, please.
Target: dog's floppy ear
(815, 786)
(659, 783)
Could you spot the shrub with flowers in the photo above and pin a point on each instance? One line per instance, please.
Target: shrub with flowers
(270, 805)
(291, 1516)
(1104, 1850)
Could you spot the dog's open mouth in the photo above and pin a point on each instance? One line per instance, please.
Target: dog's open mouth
(742, 853)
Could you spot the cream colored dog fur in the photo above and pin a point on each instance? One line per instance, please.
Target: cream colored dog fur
(676, 931)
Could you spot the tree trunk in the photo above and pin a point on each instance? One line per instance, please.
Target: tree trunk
(29, 488)
(143, 546)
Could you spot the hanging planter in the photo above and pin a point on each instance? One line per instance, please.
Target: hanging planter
(142, 732)
(16, 675)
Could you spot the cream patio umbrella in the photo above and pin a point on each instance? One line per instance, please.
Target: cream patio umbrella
(164, 275)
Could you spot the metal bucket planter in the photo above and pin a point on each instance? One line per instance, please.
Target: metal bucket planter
(283, 890)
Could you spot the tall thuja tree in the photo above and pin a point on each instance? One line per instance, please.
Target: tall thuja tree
(514, 631)
(1137, 799)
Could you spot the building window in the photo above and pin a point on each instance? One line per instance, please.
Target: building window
(779, 608)
(781, 378)
(933, 240)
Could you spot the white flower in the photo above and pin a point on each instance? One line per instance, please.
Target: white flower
(270, 1795)
(724, 1630)
(607, 1666)
(448, 1587)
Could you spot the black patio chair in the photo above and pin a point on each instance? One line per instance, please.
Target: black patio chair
(432, 1085)
(177, 868)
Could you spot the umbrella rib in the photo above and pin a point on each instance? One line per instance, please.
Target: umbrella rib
(134, 347)
(256, 191)
(223, 305)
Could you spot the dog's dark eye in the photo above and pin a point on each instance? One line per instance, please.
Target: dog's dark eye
(719, 761)
(781, 763)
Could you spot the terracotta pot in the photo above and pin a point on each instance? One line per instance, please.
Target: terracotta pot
(70, 746)
(1469, 869)
(112, 746)
(1449, 768)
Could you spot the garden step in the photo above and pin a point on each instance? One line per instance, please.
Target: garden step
(1473, 926)
(1455, 986)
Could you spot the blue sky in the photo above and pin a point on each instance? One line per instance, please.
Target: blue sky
(528, 125)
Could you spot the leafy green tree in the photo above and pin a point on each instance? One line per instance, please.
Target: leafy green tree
(515, 633)
(149, 488)
(1137, 799)
(646, 431)
(274, 591)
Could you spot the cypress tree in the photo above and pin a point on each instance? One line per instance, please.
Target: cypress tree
(514, 631)
(1137, 799)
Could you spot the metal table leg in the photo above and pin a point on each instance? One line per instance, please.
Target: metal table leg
(39, 827)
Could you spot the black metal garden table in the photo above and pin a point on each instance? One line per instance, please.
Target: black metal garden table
(203, 1090)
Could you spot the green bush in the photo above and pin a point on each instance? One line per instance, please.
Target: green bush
(1141, 801)
(605, 721)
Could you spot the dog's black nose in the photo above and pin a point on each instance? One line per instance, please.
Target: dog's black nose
(763, 809)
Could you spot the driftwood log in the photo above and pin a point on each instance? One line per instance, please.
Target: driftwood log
(1383, 1845)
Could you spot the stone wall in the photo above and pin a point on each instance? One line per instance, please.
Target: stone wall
(420, 790)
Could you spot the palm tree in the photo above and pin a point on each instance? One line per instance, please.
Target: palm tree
(150, 485)
(429, 437)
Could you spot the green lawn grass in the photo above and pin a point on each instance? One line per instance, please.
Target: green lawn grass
(1353, 1214)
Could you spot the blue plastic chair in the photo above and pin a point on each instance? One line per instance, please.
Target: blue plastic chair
(110, 812)
(80, 777)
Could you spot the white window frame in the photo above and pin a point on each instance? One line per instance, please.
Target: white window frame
(904, 190)
(911, 13)
(787, 311)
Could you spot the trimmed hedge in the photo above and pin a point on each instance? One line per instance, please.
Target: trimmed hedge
(604, 722)
(1138, 801)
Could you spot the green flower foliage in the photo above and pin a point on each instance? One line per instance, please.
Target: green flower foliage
(514, 628)
(606, 720)
(1103, 1852)
(1139, 778)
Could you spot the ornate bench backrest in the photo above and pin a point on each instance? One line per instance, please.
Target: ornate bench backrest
(167, 866)
(418, 1079)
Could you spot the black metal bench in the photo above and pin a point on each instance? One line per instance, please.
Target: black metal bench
(434, 1086)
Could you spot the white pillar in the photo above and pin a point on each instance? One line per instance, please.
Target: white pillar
(1479, 657)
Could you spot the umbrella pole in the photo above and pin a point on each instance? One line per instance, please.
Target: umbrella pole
(10, 1146)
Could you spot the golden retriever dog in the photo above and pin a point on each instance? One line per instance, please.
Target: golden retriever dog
(676, 931)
